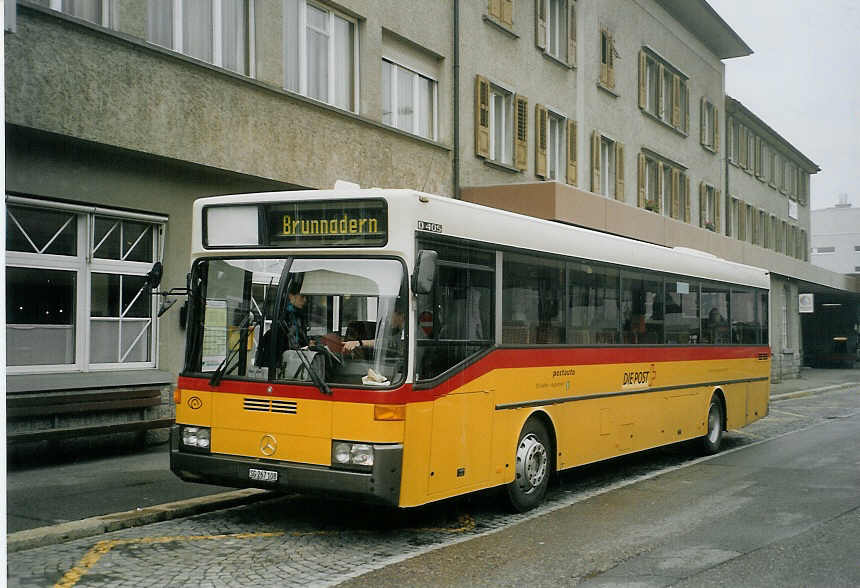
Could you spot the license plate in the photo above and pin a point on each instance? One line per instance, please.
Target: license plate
(262, 475)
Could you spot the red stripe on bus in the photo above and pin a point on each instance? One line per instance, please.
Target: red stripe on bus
(497, 359)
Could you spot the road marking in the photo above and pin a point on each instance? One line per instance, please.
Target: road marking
(102, 548)
(465, 524)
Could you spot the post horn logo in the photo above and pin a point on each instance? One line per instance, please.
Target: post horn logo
(268, 445)
(194, 403)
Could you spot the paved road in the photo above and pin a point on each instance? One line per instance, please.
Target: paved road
(600, 518)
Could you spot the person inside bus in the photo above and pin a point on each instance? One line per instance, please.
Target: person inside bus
(715, 327)
(393, 340)
(293, 329)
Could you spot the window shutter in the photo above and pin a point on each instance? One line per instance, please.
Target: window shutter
(687, 201)
(702, 122)
(604, 59)
(660, 102)
(742, 221)
(742, 145)
(482, 117)
(540, 141)
(595, 162)
(687, 112)
(540, 23)
(619, 171)
(571, 152)
(643, 80)
(676, 101)
(676, 194)
(716, 144)
(659, 194)
(495, 8)
(571, 33)
(521, 135)
(507, 16)
(640, 201)
(758, 157)
(610, 78)
(717, 208)
(702, 201)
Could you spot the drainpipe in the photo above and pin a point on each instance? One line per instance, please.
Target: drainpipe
(456, 110)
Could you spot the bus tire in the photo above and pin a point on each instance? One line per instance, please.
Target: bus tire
(714, 436)
(531, 472)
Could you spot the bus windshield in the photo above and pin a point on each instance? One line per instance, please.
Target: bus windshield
(317, 321)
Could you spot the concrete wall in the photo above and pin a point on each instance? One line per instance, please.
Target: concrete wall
(837, 227)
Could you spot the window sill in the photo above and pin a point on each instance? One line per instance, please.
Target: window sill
(23, 383)
(662, 122)
(714, 152)
(488, 18)
(558, 61)
(608, 90)
(502, 166)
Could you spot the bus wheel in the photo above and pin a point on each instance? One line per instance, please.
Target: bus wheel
(714, 437)
(532, 468)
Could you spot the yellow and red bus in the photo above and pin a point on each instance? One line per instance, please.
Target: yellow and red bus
(446, 347)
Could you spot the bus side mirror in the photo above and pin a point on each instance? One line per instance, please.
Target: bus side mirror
(153, 278)
(425, 271)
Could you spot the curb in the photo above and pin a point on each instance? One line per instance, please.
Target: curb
(51, 535)
(811, 391)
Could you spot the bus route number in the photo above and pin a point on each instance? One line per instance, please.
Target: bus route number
(432, 227)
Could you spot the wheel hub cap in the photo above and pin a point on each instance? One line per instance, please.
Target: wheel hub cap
(531, 463)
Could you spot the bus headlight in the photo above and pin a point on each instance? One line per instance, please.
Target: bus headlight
(198, 438)
(351, 455)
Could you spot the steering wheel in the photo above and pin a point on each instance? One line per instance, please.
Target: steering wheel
(337, 359)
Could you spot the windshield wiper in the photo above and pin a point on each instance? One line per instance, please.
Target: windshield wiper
(218, 375)
(315, 377)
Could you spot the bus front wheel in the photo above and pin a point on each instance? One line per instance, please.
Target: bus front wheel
(532, 467)
(714, 437)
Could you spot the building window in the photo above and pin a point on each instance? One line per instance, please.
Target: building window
(502, 11)
(501, 124)
(100, 12)
(709, 207)
(607, 59)
(663, 91)
(408, 100)
(77, 296)
(710, 134)
(215, 31)
(501, 120)
(555, 152)
(825, 249)
(607, 156)
(556, 29)
(320, 54)
(664, 187)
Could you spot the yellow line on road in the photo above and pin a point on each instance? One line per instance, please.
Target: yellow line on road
(465, 523)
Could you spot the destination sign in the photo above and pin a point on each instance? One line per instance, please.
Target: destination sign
(331, 223)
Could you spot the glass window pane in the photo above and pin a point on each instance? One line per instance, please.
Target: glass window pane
(292, 37)
(426, 107)
(107, 235)
(234, 30)
(104, 294)
(136, 300)
(761, 311)
(136, 341)
(159, 22)
(33, 230)
(104, 341)
(387, 70)
(197, 29)
(343, 63)
(137, 241)
(532, 295)
(498, 127)
(40, 314)
(405, 100)
(317, 56)
(592, 305)
(90, 10)
(745, 327)
(682, 312)
(641, 308)
(715, 313)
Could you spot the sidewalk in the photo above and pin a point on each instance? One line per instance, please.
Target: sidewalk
(55, 503)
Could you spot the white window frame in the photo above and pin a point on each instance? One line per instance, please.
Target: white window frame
(556, 19)
(504, 136)
(395, 71)
(710, 124)
(217, 40)
(302, 48)
(83, 264)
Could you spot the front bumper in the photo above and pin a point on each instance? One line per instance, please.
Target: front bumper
(381, 485)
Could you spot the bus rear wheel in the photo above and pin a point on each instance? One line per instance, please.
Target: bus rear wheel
(532, 467)
(714, 437)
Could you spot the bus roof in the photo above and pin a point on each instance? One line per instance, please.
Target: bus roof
(500, 228)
